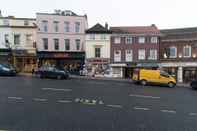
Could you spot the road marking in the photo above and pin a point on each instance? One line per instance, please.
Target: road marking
(140, 108)
(143, 96)
(193, 114)
(55, 89)
(39, 99)
(169, 111)
(64, 101)
(15, 98)
(115, 106)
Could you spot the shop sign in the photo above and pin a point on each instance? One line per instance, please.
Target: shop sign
(60, 55)
(95, 61)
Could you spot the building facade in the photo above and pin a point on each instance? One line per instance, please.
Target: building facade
(17, 42)
(97, 48)
(60, 38)
(178, 53)
(134, 47)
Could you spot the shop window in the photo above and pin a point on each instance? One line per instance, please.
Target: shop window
(187, 51)
(56, 44)
(98, 52)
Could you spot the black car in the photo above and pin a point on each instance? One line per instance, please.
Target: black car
(7, 70)
(193, 84)
(51, 72)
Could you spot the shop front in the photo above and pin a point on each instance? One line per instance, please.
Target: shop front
(5, 56)
(24, 60)
(71, 61)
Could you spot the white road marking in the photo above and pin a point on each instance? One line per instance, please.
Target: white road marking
(15, 98)
(193, 114)
(64, 101)
(140, 108)
(39, 99)
(115, 106)
(55, 89)
(143, 96)
(169, 111)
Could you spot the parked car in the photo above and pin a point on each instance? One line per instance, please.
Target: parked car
(193, 84)
(51, 72)
(7, 70)
(145, 76)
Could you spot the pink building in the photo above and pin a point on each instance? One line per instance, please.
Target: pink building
(60, 39)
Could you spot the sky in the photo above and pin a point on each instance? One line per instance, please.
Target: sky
(165, 14)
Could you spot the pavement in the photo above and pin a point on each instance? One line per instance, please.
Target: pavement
(187, 85)
(33, 104)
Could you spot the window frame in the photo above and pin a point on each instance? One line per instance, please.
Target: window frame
(115, 40)
(96, 53)
(67, 26)
(127, 38)
(19, 36)
(154, 40)
(173, 47)
(78, 44)
(67, 44)
(45, 43)
(155, 53)
(117, 60)
(77, 27)
(126, 55)
(56, 44)
(139, 58)
(190, 51)
(144, 40)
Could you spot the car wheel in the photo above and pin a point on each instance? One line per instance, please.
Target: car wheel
(171, 84)
(59, 77)
(143, 82)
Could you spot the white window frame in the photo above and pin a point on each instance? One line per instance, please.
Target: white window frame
(92, 36)
(129, 40)
(56, 26)
(117, 40)
(103, 37)
(77, 27)
(190, 51)
(67, 26)
(44, 24)
(117, 58)
(150, 54)
(128, 56)
(144, 54)
(154, 39)
(141, 39)
(175, 52)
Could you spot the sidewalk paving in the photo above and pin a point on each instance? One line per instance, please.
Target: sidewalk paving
(104, 79)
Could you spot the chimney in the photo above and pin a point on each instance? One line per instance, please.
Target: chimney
(106, 25)
(153, 25)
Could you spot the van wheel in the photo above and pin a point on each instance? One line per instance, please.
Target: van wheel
(171, 84)
(143, 82)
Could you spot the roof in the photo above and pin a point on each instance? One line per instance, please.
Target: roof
(136, 30)
(179, 30)
(12, 17)
(98, 28)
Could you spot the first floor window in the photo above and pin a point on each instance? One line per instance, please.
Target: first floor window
(152, 54)
(173, 52)
(154, 40)
(141, 54)
(129, 55)
(77, 44)
(141, 40)
(56, 44)
(6, 38)
(45, 43)
(67, 44)
(129, 40)
(117, 56)
(17, 39)
(117, 40)
(98, 52)
(187, 51)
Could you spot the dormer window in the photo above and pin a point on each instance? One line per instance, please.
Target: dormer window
(69, 13)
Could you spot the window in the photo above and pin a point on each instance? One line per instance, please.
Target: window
(103, 37)
(77, 27)
(67, 26)
(141, 54)
(141, 40)
(129, 55)
(17, 39)
(117, 56)
(187, 51)
(6, 22)
(164, 74)
(45, 43)
(154, 39)
(26, 22)
(117, 40)
(77, 44)
(129, 40)
(56, 44)
(6, 38)
(67, 44)
(56, 26)
(98, 52)
(172, 52)
(45, 26)
(29, 37)
(152, 54)
(92, 37)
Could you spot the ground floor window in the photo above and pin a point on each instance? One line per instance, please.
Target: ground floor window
(189, 74)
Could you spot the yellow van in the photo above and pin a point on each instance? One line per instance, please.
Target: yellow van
(145, 76)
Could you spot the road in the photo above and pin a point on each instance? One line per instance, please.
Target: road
(31, 104)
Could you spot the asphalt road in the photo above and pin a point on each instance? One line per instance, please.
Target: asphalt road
(31, 104)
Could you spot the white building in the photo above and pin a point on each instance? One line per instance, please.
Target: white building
(17, 42)
(97, 48)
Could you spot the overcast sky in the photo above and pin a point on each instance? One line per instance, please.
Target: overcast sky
(163, 13)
